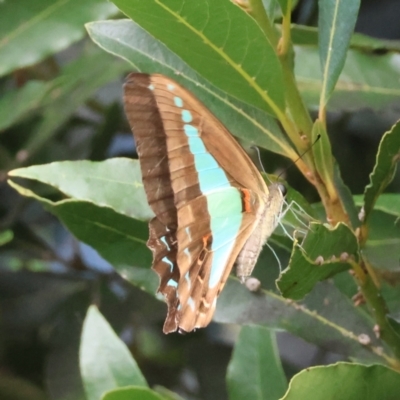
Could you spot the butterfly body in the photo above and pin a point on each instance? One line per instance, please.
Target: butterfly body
(212, 208)
(268, 219)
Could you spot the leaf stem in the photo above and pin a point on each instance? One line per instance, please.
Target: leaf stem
(301, 123)
(257, 11)
(285, 43)
(296, 120)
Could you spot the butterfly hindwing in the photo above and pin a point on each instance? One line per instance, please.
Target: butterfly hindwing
(203, 188)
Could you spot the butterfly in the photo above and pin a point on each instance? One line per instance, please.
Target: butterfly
(213, 210)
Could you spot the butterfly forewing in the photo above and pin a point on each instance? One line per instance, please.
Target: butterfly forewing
(203, 188)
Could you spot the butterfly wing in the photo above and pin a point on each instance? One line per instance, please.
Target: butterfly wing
(203, 188)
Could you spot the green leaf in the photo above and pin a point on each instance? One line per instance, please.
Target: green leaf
(345, 381)
(129, 41)
(383, 243)
(336, 21)
(322, 153)
(284, 5)
(383, 239)
(386, 202)
(115, 183)
(14, 105)
(325, 317)
(384, 169)
(273, 9)
(31, 31)
(78, 82)
(255, 371)
(105, 361)
(98, 217)
(367, 80)
(132, 393)
(308, 36)
(395, 324)
(6, 236)
(220, 41)
(119, 239)
(167, 394)
(320, 256)
(345, 196)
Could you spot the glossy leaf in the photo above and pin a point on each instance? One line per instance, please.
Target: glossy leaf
(384, 169)
(383, 243)
(255, 371)
(383, 239)
(105, 361)
(239, 58)
(325, 317)
(129, 41)
(115, 183)
(308, 36)
(118, 238)
(346, 197)
(345, 381)
(15, 104)
(131, 393)
(336, 21)
(33, 30)
(323, 253)
(386, 202)
(322, 152)
(367, 80)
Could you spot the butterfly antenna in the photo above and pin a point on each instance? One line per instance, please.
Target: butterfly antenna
(300, 156)
(259, 157)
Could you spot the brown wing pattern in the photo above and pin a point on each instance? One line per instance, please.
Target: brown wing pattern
(180, 235)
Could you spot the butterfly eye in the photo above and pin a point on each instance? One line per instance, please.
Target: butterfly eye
(283, 189)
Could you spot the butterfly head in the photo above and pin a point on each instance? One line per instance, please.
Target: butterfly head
(282, 188)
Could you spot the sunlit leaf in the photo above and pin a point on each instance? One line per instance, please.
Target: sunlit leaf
(255, 371)
(308, 36)
(105, 361)
(115, 183)
(367, 80)
(336, 21)
(344, 381)
(322, 152)
(218, 40)
(129, 41)
(384, 169)
(383, 243)
(387, 202)
(118, 238)
(323, 253)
